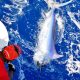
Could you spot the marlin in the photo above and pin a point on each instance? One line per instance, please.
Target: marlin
(45, 50)
(46, 44)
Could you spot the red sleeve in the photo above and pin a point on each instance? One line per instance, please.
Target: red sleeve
(3, 71)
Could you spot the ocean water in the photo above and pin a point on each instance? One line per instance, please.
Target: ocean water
(22, 19)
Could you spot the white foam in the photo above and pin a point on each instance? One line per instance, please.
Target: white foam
(15, 9)
(54, 4)
(61, 26)
(71, 15)
(73, 66)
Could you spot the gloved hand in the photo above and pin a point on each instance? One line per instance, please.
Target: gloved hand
(11, 66)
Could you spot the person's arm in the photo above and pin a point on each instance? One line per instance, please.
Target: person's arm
(11, 70)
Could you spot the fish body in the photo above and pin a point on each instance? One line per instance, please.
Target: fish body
(46, 43)
(45, 50)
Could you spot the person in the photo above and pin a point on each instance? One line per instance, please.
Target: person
(8, 54)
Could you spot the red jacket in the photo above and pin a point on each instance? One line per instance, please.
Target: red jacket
(3, 71)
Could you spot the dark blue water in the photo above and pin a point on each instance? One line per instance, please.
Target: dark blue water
(23, 30)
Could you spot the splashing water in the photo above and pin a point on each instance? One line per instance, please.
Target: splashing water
(12, 17)
(15, 9)
(42, 38)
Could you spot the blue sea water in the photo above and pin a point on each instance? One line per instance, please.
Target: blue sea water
(21, 18)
